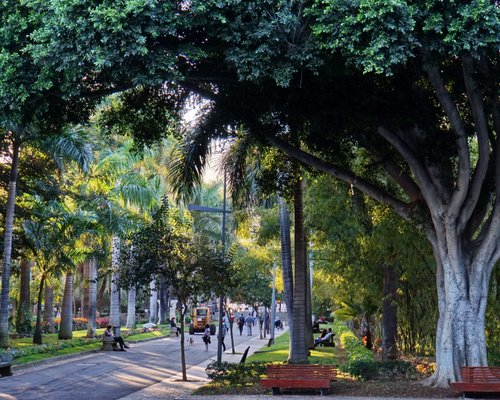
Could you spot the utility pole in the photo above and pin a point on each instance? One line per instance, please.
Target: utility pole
(224, 211)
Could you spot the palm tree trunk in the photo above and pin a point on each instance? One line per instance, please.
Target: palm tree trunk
(85, 288)
(66, 328)
(48, 307)
(37, 336)
(23, 317)
(7, 249)
(164, 311)
(131, 308)
(91, 324)
(299, 349)
(390, 313)
(114, 307)
(100, 295)
(286, 262)
(153, 303)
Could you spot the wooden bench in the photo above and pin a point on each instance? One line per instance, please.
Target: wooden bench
(5, 364)
(108, 343)
(480, 382)
(299, 376)
(329, 343)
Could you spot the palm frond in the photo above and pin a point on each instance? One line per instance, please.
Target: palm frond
(73, 144)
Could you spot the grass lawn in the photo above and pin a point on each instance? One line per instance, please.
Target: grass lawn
(53, 347)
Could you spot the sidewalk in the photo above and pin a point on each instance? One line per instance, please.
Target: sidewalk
(176, 389)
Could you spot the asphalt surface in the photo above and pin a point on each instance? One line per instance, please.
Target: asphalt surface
(113, 374)
(148, 370)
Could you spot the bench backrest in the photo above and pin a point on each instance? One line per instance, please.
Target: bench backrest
(480, 374)
(301, 371)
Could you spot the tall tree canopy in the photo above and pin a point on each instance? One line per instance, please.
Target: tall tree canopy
(415, 85)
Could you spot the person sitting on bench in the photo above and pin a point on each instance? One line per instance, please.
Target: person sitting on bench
(118, 339)
(325, 337)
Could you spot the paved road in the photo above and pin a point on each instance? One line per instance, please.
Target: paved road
(108, 375)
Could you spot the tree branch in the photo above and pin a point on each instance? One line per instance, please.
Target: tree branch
(426, 186)
(453, 115)
(402, 179)
(481, 124)
(401, 208)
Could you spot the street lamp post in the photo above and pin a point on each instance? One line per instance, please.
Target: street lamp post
(192, 207)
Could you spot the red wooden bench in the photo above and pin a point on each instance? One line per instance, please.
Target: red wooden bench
(299, 376)
(478, 382)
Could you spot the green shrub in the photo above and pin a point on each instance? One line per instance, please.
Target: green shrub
(361, 369)
(235, 374)
(369, 369)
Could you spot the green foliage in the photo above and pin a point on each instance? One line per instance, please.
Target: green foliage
(376, 36)
(236, 373)
(23, 320)
(360, 361)
(48, 348)
(370, 369)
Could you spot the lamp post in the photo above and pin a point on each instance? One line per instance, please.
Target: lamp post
(192, 207)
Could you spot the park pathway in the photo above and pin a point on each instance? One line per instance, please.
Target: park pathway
(116, 375)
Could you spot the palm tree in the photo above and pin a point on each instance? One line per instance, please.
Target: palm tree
(23, 315)
(71, 144)
(66, 326)
(120, 193)
(52, 232)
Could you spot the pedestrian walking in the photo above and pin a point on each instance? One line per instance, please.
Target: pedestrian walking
(206, 336)
(241, 324)
(249, 324)
(222, 336)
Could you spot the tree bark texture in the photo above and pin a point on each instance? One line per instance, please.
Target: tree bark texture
(66, 326)
(23, 317)
(286, 262)
(131, 323)
(92, 313)
(153, 303)
(37, 336)
(85, 288)
(390, 313)
(164, 309)
(299, 350)
(7, 247)
(48, 307)
(114, 297)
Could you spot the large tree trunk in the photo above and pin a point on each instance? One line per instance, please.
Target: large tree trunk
(66, 327)
(286, 263)
(299, 350)
(114, 306)
(100, 294)
(23, 317)
(462, 301)
(7, 246)
(92, 313)
(131, 308)
(48, 307)
(164, 311)
(390, 313)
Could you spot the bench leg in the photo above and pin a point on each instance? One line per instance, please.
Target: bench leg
(276, 391)
(6, 371)
(324, 391)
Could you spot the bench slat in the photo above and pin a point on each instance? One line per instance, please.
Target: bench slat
(296, 383)
(478, 380)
